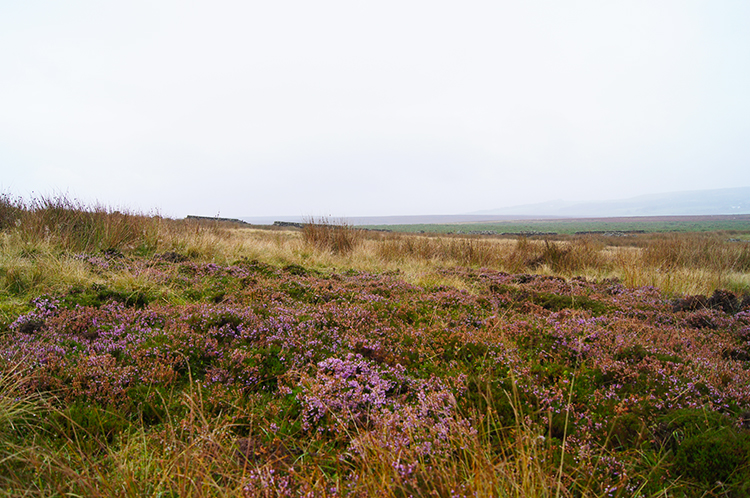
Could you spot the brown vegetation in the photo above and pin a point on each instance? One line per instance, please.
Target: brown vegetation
(338, 238)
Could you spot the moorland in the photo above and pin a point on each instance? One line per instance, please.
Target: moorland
(573, 226)
(146, 356)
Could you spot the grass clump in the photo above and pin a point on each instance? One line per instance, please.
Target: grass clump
(76, 227)
(11, 210)
(337, 238)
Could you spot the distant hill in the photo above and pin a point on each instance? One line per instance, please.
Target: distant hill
(694, 203)
(726, 201)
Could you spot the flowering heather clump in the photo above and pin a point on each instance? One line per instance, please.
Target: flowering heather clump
(348, 390)
(44, 307)
(267, 483)
(99, 263)
(426, 427)
(349, 368)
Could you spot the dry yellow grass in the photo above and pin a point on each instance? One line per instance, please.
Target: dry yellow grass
(675, 268)
(39, 242)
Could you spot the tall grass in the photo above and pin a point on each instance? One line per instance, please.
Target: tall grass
(10, 210)
(45, 243)
(192, 458)
(566, 257)
(339, 238)
(37, 234)
(524, 467)
(200, 456)
(697, 251)
(14, 407)
(17, 410)
(439, 250)
(73, 226)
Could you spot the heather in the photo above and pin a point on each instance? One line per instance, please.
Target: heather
(207, 366)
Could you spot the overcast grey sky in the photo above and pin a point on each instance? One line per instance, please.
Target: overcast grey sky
(251, 108)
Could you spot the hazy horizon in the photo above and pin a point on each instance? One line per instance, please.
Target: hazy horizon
(353, 109)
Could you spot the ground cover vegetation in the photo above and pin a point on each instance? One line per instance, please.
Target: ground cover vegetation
(142, 356)
(572, 226)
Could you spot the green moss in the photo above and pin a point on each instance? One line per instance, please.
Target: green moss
(10, 310)
(96, 295)
(708, 447)
(557, 302)
(270, 367)
(193, 295)
(668, 358)
(257, 267)
(679, 425)
(301, 271)
(626, 431)
(719, 455)
(632, 354)
(299, 292)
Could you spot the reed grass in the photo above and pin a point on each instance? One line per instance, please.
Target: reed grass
(336, 237)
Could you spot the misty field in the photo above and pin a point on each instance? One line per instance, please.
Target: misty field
(143, 356)
(648, 224)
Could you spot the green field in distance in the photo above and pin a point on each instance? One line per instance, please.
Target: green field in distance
(740, 223)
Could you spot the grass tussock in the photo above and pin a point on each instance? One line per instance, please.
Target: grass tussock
(74, 226)
(568, 257)
(337, 238)
(697, 251)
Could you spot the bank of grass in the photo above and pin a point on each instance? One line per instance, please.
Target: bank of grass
(145, 356)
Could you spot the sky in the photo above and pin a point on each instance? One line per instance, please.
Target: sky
(354, 108)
